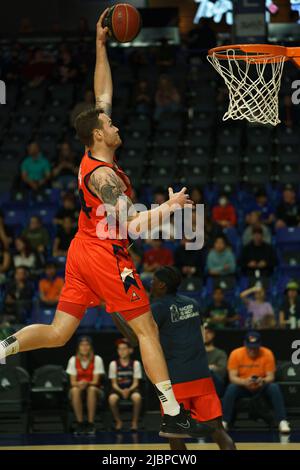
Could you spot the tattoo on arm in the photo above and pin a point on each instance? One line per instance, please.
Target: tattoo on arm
(103, 105)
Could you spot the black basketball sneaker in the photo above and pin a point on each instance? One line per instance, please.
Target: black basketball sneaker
(183, 426)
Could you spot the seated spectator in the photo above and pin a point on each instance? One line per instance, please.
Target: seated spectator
(220, 314)
(50, 286)
(288, 211)
(190, 262)
(196, 195)
(37, 235)
(86, 371)
(253, 221)
(5, 260)
(220, 260)
(142, 100)
(18, 297)
(289, 314)
(167, 97)
(87, 103)
(212, 230)
(65, 170)
(25, 256)
(263, 208)
(68, 209)
(258, 255)
(261, 312)
(217, 358)
(224, 213)
(35, 169)
(6, 234)
(38, 68)
(125, 375)
(155, 257)
(251, 370)
(64, 236)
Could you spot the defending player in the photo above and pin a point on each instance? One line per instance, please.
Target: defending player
(102, 268)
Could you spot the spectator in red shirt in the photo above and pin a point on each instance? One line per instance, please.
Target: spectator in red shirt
(157, 256)
(224, 213)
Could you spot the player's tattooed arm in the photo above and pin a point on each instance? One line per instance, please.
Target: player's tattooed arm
(105, 183)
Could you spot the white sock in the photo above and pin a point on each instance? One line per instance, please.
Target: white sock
(167, 398)
(8, 346)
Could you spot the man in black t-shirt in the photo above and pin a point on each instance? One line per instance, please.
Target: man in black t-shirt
(288, 211)
(179, 322)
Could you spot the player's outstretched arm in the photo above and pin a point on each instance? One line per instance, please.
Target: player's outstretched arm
(103, 86)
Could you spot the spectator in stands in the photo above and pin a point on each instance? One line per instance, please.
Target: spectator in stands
(258, 255)
(289, 314)
(189, 262)
(263, 208)
(50, 286)
(142, 99)
(68, 209)
(6, 234)
(64, 236)
(220, 260)
(197, 195)
(25, 256)
(38, 68)
(37, 235)
(288, 211)
(254, 221)
(35, 169)
(5, 260)
(224, 213)
(262, 313)
(217, 358)
(86, 371)
(167, 97)
(66, 69)
(220, 314)
(18, 297)
(212, 230)
(158, 255)
(160, 196)
(65, 170)
(251, 370)
(125, 375)
(87, 103)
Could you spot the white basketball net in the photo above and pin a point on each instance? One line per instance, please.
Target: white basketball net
(253, 87)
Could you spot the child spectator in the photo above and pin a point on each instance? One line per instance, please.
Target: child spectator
(125, 375)
(261, 312)
(50, 286)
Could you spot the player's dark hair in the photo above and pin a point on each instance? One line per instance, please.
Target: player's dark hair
(85, 123)
(170, 276)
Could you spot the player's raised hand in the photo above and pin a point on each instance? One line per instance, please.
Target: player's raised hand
(180, 198)
(102, 32)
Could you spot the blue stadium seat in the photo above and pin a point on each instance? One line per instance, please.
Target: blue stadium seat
(16, 217)
(288, 238)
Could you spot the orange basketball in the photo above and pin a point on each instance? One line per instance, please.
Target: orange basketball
(124, 22)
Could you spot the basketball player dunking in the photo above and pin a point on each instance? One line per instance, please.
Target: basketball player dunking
(103, 269)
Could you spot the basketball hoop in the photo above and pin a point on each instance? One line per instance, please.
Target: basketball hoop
(252, 73)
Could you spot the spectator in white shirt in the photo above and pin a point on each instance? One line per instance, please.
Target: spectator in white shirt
(86, 371)
(125, 375)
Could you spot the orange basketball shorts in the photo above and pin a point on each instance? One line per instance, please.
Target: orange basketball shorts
(99, 272)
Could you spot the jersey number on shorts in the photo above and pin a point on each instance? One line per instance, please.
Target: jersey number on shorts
(86, 209)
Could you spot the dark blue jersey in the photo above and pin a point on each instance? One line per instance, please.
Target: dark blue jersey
(179, 322)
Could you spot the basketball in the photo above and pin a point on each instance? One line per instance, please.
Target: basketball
(124, 22)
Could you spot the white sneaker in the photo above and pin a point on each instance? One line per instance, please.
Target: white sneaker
(225, 425)
(284, 426)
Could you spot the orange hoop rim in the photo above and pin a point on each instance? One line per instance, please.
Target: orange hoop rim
(257, 53)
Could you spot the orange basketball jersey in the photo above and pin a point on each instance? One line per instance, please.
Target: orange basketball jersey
(92, 219)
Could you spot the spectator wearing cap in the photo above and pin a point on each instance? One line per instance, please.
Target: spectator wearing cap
(262, 207)
(262, 313)
(258, 255)
(251, 370)
(220, 314)
(125, 375)
(86, 371)
(224, 213)
(217, 358)
(288, 211)
(289, 314)
(220, 260)
(50, 286)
